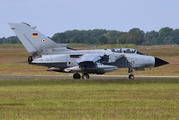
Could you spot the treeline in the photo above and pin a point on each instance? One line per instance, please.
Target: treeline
(165, 36)
(10, 40)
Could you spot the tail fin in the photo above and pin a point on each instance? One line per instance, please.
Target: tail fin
(34, 41)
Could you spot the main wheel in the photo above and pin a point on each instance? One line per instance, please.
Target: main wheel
(76, 76)
(85, 76)
(131, 76)
(30, 59)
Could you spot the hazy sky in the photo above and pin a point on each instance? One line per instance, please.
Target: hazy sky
(52, 16)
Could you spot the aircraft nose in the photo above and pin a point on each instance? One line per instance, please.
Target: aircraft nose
(159, 62)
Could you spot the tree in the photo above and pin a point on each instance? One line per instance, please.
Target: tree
(136, 30)
(122, 38)
(13, 40)
(130, 38)
(164, 36)
(70, 34)
(168, 40)
(150, 35)
(77, 39)
(165, 32)
(96, 33)
(3, 40)
(103, 40)
(60, 38)
(175, 35)
(112, 33)
(89, 40)
(134, 38)
(154, 41)
(157, 41)
(112, 40)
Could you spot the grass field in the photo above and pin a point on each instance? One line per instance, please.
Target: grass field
(89, 99)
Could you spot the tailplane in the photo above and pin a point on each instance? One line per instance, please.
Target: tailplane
(35, 42)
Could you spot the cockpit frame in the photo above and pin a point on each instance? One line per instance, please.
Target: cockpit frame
(126, 50)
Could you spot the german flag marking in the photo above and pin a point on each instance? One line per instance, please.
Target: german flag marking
(35, 34)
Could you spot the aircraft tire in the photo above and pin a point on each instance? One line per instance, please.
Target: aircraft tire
(76, 76)
(30, 59)
(131, 76)
(85, 76)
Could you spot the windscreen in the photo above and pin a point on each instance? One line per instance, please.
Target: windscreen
(126, 50)
(123, 50)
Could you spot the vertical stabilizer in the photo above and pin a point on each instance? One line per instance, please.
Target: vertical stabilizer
(34, 41)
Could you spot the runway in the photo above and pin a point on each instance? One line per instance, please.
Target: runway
(71, 77)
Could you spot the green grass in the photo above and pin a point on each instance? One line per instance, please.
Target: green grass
(89, 99)
(11, 46)
(14, 65)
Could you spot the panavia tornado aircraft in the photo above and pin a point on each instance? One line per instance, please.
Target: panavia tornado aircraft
(60, 58)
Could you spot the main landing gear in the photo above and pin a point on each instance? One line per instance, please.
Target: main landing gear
(85, 76)
(131, 76)
(78, 76)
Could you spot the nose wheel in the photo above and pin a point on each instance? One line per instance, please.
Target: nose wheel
(131, 76)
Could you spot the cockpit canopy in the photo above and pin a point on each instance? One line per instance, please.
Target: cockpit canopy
(127, 50)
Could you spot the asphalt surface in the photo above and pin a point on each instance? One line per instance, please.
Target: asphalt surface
(91, 77)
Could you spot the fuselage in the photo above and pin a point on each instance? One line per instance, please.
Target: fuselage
(123, 59)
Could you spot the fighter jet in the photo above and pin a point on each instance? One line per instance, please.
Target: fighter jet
(61, 58)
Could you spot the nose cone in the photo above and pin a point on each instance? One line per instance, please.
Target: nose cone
(159, 62)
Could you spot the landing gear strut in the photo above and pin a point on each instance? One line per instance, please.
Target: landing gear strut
(76, 76)
(131, 76)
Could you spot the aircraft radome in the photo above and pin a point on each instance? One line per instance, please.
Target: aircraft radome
(60, 58)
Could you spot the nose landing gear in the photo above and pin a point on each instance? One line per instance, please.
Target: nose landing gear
(131, 76)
